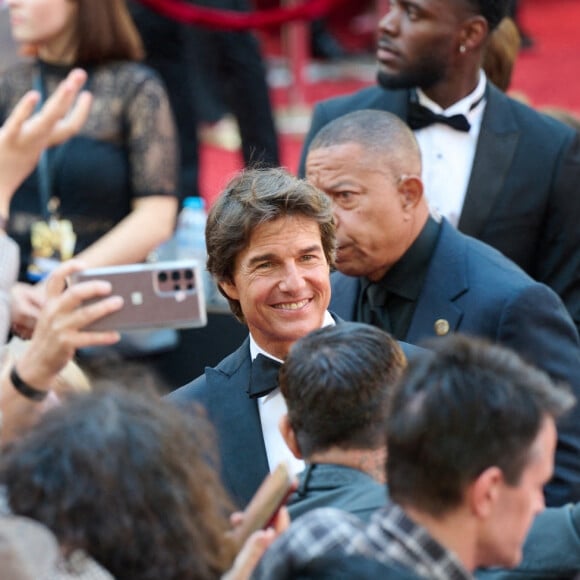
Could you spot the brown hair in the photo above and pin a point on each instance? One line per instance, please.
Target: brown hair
(105, 32)
(337, 382)
(129, 479)
(257, 196)
(501, 52)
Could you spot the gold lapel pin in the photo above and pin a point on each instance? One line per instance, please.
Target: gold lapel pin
(441, 327)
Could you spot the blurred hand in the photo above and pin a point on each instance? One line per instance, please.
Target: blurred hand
(26, 134)
(255, 546)
(27, 301)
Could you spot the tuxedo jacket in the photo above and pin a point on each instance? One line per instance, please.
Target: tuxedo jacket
(222, 391)
(480, 292)
(523, 195)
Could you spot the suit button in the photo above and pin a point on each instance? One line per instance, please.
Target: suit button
(441, 327)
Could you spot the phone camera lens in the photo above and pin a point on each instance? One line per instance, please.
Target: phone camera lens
(175, 275)
(162, 277)
(188, 274)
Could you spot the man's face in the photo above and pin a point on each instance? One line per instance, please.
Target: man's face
(282, 282)
(517, 505)
(373, 226)
(418, 42)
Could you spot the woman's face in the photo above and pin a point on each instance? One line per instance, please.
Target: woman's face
(44, 23)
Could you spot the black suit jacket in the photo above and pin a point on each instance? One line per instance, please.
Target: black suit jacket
(480, 292)
(223, 392)
(523, 196)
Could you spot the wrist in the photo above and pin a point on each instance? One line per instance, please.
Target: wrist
(25, 388)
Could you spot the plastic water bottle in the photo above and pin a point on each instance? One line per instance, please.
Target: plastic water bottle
(190, 243)
(190, 234)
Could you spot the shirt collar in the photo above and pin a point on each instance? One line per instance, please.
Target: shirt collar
(462, 107)
(406, 277)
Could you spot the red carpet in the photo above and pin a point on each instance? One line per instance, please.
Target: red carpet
(546, 74)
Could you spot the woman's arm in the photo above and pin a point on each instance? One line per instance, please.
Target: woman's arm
(148, 225)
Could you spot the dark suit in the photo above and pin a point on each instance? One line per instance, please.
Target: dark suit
(479, 292)
(523, 195)
(223, 392)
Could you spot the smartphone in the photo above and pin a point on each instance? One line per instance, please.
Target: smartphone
(156, 295)
(263, 507)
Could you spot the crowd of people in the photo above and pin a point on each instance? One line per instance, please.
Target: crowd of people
(412, 304)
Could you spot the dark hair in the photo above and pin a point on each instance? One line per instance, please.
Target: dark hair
(336, 382)
(125, 478)
(106, 32)
(379, 133)
(461, 408)
(254, 197)
(492, 10)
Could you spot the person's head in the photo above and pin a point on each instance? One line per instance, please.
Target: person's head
(336, 382)
(472, 430)
(83, 32)
(426, 43)
(369, 164)
(270, 244)
(126, 478)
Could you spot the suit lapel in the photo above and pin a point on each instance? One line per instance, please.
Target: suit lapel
(445, 282)
(345, 291)
(498, 139)
(243, 453)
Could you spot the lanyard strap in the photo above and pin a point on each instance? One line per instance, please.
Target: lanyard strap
(44, 163)
(49, 158)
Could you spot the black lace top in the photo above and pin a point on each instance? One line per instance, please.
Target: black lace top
(126, 149)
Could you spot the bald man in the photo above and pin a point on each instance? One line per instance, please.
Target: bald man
(416, 276)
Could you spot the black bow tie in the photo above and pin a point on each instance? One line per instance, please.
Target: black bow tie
(264, 376)
(419, 117)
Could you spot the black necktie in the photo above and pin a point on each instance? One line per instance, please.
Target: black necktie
(264, 376)
(419, 117)
(374, 308)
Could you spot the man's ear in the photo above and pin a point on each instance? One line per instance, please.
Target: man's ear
(411, 190)
(483, 493)
(474, 33)
(230, 289)
(289, 436)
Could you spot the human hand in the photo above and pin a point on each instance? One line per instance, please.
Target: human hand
(254, 547)
(59, 330)
(26, 303)
(24, 135)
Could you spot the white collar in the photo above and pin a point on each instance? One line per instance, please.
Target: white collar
(462, 107)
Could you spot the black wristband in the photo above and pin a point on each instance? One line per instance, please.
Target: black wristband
(25, 389)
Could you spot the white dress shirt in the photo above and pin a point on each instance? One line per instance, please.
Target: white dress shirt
(271, 408)
(448, 154)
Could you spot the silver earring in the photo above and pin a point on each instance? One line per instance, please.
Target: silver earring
(462, 48)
